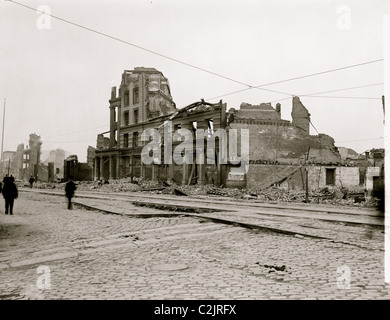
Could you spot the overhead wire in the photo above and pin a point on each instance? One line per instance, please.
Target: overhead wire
(79, 131)
(314, 95)
(248, 86)
(306, 76)
(320, 73)
(350, 88)
(131, 44)
(340, 97)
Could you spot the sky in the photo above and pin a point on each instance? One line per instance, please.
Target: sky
(56, 77)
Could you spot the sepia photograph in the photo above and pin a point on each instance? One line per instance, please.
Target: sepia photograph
(194, 154)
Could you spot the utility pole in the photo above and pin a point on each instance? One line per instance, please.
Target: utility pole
(307, 176)
(132, 158)
(383, 104)
(2, 139)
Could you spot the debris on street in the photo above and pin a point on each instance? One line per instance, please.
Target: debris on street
(328, 195)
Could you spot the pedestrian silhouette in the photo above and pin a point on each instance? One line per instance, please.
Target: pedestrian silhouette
(70, 188)
(31, 181)
(10, 193)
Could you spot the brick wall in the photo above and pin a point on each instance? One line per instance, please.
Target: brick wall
(286, 144)
(344, 177)
(262, 176)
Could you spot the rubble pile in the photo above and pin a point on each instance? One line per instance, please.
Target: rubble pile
(328, 195)
(211, 190)
(281, 195)
(40, 185)
(120, 185)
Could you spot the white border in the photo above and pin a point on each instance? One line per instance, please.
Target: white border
(386, 55)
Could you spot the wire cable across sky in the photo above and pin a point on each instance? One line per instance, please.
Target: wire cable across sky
(248, 86)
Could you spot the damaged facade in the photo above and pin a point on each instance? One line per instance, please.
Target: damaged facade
(371, 166)
(75, 170)
(26, 161)
(281, 152)
(144, 102)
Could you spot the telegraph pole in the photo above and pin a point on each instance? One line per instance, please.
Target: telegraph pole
(307, 177)
(132, 158)
(2, 139)
(383, 105)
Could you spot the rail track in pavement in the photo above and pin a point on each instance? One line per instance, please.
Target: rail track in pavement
(361, 227)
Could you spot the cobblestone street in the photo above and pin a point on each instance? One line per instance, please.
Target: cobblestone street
(91, 255)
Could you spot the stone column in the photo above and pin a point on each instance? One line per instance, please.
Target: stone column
(170, 173)
(154, 172)
(143, 169)
(96, 177)
(118, 164)
(202, 167)
(101, 164)
(186, 166)
(110, 171)
(184, 180)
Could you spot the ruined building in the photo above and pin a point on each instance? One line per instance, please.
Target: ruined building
(28, 159)
(75, 170)
(280, 151)
(144, 102)
(56, 161)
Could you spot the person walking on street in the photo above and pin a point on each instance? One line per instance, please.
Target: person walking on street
(10, 193)
(31, 181)
(70, 188)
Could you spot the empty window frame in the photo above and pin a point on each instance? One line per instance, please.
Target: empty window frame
(126, 140)
(194, 126)
(210, 127)
(135, 139)
(126, 98)
(135, 114)
(330, 176)
(126, 118)
(135, 95)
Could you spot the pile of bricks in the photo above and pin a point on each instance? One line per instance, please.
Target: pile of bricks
(333, 196)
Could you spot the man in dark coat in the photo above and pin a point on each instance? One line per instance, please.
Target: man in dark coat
(70, 187)
(31, 181)
(10, 193)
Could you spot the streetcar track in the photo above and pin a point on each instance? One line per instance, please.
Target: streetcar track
(178, 201)
(227, 202)
(245, 212)
(278, 230)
